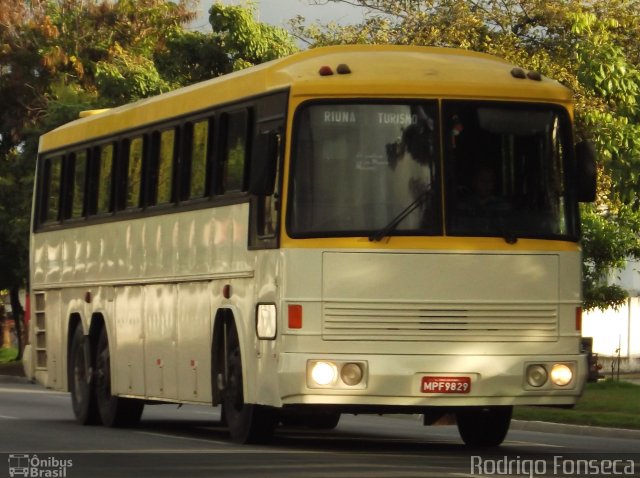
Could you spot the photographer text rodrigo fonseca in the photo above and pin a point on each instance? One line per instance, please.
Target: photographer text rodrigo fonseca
(558, 465)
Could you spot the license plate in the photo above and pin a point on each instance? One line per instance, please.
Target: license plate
(446, 384)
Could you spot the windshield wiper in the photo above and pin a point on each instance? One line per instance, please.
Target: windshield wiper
(395, 222)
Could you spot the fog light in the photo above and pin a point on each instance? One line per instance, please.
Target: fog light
(324, 373)
(561, 374)
(351, 374)
(536, 375)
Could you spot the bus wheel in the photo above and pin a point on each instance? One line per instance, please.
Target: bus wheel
(247, 423)
(484, 426)
(83, 396)
(114, 411)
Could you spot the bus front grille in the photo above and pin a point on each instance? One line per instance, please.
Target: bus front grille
(441, 321)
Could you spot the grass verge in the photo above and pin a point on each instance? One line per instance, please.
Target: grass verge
(8, 354)
(604, 404)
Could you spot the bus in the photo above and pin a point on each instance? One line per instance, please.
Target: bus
(351, 229)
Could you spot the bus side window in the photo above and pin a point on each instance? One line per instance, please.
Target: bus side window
(79, 184)
(164, 166)
(52, 189)
(135, 155)
(235, 152)
(199, 134)
(101, 201)
(267, 210)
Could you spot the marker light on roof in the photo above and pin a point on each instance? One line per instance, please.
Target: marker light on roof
(534, 75)
(325, 71)
(518, 73)
(343, 69)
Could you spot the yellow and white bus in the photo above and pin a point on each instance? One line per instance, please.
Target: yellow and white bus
(352, 229)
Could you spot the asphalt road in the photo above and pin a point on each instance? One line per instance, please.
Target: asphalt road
(37, 428)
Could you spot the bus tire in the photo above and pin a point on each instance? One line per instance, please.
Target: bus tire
(81, 386)
(114, 411)
(484, 427)
(247, 423)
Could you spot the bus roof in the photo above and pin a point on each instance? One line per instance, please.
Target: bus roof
(374, 71)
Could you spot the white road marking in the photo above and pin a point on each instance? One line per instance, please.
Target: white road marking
(19, 390)
(8, 417)
(178, 437)
(510, 442)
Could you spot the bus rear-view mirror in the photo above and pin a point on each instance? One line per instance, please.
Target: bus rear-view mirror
(587, 172)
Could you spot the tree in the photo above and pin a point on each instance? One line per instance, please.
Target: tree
(60, 57)
(23, 81)
(246, 41)
(237, 41)
(108, 48)
(590, 46)
(56, 59)
(609, 71)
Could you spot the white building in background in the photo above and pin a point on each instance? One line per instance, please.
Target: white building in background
(618, 329)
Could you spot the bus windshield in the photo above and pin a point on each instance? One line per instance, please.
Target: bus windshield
(505, 168)
(362, 169)
(358, 166)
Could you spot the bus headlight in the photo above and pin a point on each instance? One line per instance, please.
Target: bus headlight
(561, 374)
(537, 375)
(324, 373)
(336, 374)
(351, 374)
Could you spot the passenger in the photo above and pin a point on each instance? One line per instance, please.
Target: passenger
(482, 197)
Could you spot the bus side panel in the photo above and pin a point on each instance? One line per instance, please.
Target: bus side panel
(194, 328)
(160, 341)
(218, 233)
(267, 292)
(73, 254)
(194, 236)
(128, 349)
(51, 257)
(157, 235)
(242, 300)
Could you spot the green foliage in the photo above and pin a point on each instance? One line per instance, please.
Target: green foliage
(126, 77)
(8, 355)
(109, 47)
(191, 57)
(246, 41)
(607, 242)
(64, 104)
(612, 80)
(590, 46)
(15, 182)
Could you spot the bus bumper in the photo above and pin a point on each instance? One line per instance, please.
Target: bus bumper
(426, 381)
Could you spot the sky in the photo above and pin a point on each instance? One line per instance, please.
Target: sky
(277, 12)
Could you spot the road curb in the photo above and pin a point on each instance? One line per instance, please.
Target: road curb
(549, 427)
(14, 379)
